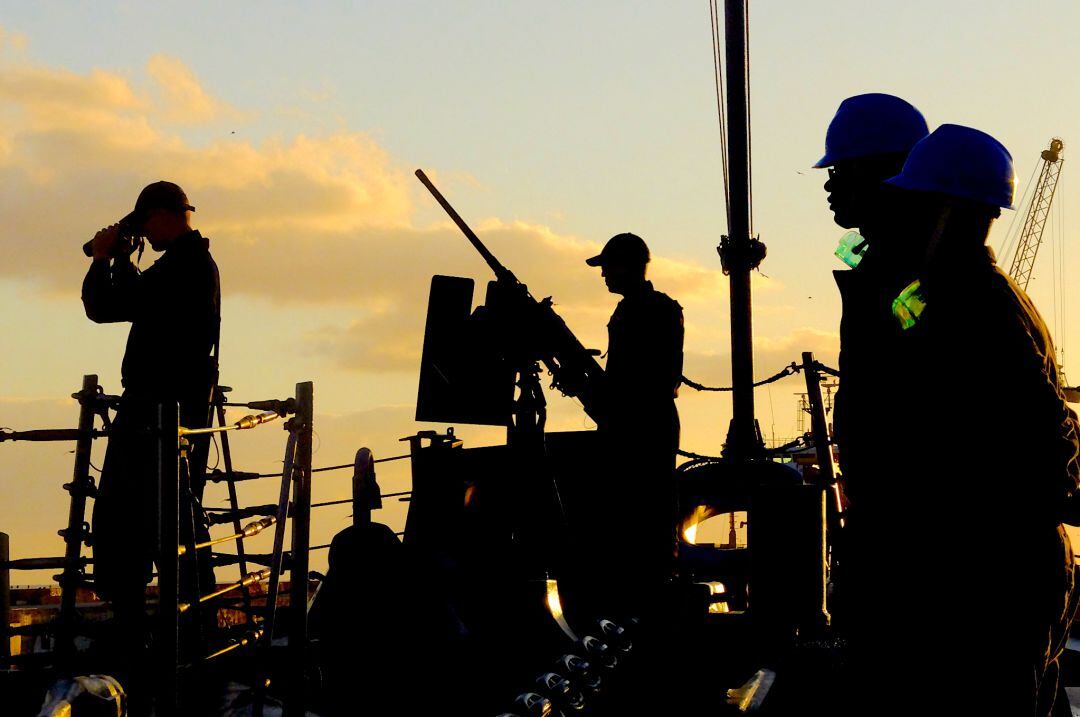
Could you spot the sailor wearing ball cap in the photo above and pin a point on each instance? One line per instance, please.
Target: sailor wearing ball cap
(174, 309)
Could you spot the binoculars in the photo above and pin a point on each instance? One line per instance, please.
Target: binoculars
(128, 242)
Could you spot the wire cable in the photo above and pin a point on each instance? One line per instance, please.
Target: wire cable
(1016, 226)
(718, 78)
(343, 501)
(772, 416)
(340, 467)
(1064, 284)
(217, 453)
(749, 124)
(1054, 278)
(351, 465)
(1059, 239)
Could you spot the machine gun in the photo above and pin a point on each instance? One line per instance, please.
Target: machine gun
(537, 333)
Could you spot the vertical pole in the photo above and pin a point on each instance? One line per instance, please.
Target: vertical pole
(298, 570)
(74, 534)
(168, 637)
(226, 459)
(5, 597)
(277, 558)
(415, 527)
(192, 625)
(819, 426)
(816, 612)
(363, 486)
(742, 440)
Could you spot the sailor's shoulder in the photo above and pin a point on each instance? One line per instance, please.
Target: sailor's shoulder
(662, 301)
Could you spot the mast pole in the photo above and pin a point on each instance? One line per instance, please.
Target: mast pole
(742, 440)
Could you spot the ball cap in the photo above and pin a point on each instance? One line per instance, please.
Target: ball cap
(622, 249)
(159, 195)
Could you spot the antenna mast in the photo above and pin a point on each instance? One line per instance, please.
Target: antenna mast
(739, 252)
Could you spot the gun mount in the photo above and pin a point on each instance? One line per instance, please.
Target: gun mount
(470, 360)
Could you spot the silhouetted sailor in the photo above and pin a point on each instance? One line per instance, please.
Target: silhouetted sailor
(174, 311)
(974, 567)
(640, 424)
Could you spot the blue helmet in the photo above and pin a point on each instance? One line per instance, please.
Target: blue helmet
(960, 162)
(872, 124)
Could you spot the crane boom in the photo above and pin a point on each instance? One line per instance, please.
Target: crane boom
(1027, 248)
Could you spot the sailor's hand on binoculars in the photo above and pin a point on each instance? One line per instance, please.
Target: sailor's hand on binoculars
(105, 241)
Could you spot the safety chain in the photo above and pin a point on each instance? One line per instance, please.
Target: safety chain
(789, 370)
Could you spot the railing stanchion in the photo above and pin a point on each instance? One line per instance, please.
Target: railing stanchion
(74, 534)
(167, 634)
(276, 560)
(298, 563)
(826, 484)
(5, 597)
(226, 459)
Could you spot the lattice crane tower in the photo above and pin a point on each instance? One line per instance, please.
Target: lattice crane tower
(1031, 235)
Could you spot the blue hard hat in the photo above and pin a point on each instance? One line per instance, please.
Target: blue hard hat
(872, 124)
(960, 162)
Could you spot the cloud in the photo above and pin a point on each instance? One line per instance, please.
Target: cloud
(388, 330)
(13, 42)
(184, 99)
(314, 220)
(384, 342)
(79, 147)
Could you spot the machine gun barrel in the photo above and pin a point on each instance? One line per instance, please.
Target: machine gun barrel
(501, 272)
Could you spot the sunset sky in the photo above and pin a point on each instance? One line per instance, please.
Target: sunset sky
(295, 130)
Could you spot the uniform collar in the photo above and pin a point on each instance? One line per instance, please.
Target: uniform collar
(955, 262)
(192, 239)
(645, 288)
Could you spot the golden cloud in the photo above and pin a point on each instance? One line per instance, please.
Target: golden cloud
(16, 42)
(184, 99)
(309, 219)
